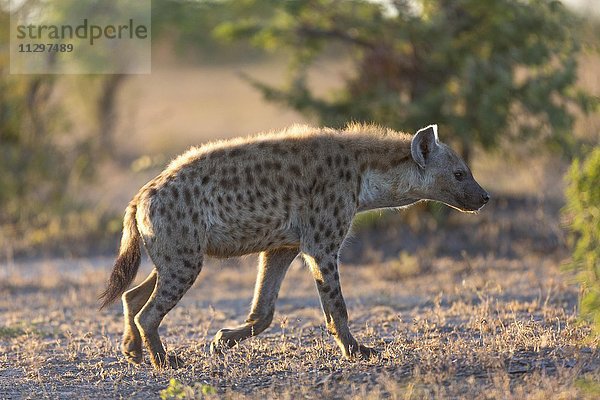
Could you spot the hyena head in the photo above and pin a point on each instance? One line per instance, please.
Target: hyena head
(446, 177)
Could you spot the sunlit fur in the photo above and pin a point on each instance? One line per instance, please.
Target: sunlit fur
(280, 194)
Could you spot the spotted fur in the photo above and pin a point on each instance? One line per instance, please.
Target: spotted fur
(280, 194)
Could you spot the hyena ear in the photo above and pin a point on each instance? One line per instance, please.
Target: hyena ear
(423, 144)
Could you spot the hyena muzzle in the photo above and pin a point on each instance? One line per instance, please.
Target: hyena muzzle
(279, 194)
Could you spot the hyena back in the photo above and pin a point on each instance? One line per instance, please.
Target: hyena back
(283, 194)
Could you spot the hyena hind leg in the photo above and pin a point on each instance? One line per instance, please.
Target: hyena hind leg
(272, 267)
(173, 281)
(133, 301)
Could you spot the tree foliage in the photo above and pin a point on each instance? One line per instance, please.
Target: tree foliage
(42, 157)
(484, 70)
(583, 208)
(188, 26)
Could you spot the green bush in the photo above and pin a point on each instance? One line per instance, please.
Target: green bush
(583, 209)
(486, 71)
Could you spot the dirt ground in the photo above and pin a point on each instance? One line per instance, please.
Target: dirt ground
(478, 309)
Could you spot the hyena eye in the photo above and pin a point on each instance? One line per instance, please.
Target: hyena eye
(459, 175)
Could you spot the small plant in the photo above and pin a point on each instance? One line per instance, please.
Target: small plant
(178, 390)
(583, 210)
(7, 332)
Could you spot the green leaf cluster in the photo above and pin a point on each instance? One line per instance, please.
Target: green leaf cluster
(179, 390)
(583, 208)
(40, 161)
(483, 70)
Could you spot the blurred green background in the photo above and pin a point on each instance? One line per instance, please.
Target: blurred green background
(512, 84)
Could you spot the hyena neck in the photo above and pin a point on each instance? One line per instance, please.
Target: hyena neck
(389, 176)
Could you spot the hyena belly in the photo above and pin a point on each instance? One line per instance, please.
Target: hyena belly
(242, 232)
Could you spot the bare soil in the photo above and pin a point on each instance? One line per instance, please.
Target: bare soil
(479, 308)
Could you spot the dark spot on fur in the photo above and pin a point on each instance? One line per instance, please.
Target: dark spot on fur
(331, 266)
(338, 160)
(295, 170)
(187, 195)
(235, 152)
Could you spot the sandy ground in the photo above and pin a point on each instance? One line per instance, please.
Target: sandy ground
(478, 309)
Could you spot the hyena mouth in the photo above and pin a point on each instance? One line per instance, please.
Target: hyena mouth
(463, 208)
(461, 205)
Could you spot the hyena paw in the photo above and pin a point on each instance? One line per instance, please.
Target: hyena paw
(224, 340)
(366, 352)
(362, 352)
(175, 362)
(168, 361)
(132, 350)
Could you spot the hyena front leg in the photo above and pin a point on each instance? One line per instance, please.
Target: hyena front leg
(272, 267)
(133, 301)
(324, 267)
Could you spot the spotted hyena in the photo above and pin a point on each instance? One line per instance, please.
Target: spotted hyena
(280, 194)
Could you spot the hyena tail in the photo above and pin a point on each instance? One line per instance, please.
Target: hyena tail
(128, 260)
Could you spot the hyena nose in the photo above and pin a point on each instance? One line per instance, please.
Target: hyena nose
(485, 197)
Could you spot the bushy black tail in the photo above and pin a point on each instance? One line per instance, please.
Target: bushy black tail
(128, 261)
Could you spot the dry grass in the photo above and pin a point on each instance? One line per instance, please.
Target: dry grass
(477, 310)
(478, 324)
